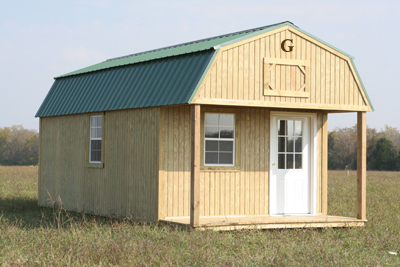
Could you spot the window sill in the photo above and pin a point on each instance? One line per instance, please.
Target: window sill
(220, 168)
(95, 165)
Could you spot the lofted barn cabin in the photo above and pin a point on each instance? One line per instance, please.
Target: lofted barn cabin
(228, 132)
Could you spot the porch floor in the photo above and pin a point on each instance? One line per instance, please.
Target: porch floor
(267, 222)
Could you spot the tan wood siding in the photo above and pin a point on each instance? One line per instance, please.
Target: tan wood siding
(237, 75)
(177, 161)
(133, 179)
(128, 183)
(222, 192)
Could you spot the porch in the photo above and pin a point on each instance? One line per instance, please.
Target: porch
(195, 221)
(266, 222)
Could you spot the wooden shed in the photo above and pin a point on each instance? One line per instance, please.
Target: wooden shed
(227, 132)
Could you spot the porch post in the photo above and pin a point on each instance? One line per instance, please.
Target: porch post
(324, 165)
(362, 165)
(195, 165)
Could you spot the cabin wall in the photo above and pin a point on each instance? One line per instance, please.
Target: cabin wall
(224, 192)
(237, 75)
(228, 192)
(177, 161)
(128, 183)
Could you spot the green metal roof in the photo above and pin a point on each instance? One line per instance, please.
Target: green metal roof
(165, 81)
(166, 76)
(195, 46)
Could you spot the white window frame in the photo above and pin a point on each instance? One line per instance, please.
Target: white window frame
(95, 138)
(220, 139)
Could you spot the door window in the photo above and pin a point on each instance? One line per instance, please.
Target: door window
(290, 144)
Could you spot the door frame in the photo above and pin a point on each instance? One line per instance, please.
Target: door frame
(313, 159)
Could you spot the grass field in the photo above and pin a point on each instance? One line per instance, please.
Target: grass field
(31, 235)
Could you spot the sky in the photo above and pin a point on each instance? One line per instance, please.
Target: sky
(41, 39)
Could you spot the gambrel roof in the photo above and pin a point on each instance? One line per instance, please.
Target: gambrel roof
(166, 76)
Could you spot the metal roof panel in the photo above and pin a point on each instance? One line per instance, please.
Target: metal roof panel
(164, 81)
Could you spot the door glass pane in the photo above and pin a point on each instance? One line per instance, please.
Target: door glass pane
(297, 161)
(211, 119)
(290, 128)
(211, 158)
(289, 144)
(281, 144)
(298, 144)
(298, 128)
(289, 163)
(281, 161)
(281, 127)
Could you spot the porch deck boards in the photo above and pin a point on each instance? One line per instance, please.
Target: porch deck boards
(267, 222)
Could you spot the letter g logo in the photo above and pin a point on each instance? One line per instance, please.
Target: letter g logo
(289, 46)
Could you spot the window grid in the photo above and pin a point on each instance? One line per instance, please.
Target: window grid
(219, 139)
(95, 139)
(290, 144)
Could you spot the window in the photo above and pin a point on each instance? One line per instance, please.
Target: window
(219, 139)
(290, 145)
(95, 139)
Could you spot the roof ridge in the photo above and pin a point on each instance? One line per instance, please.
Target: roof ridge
(198, 41)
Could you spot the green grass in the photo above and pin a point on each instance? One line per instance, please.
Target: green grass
(31, 235)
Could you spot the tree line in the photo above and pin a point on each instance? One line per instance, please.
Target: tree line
(383, 149)
(19, 146)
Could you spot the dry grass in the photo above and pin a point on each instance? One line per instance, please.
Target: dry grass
(31, 235)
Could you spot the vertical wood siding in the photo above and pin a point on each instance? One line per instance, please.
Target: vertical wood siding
(237, 75)
(239, 192)
(177, 161)
(128, 183)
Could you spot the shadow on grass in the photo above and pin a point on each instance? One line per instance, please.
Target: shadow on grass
(18, 205)
(20, 211)
(26, 213)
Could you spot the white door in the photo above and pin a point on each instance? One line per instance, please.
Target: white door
(290, 184)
